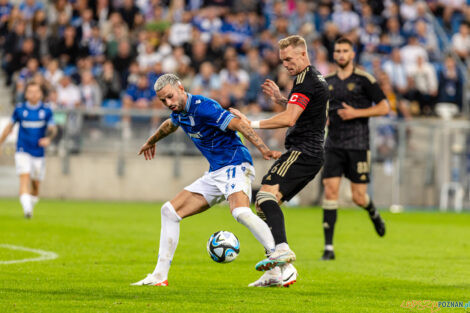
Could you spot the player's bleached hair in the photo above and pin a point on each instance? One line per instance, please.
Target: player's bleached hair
(294, 41)
(166, 79)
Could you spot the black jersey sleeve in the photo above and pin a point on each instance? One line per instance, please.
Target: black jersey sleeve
(373, 91)
(300, 95)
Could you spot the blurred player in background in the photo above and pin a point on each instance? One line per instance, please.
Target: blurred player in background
(352, 95)
(213, 131)
(305, 115)
(36, 130)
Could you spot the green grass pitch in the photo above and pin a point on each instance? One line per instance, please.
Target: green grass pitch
(103, 247)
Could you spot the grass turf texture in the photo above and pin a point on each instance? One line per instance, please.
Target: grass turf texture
(103, 247)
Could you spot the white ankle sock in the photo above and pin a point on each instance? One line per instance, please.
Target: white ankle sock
(282, 246)
(26, 203)
(34, 200)
(258, 228)
(329, 247)
(169, 236)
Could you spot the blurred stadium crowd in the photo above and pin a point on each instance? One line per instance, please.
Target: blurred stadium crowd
(108, 53)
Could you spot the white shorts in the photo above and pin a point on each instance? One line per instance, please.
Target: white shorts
(28, 164)
(219, 185)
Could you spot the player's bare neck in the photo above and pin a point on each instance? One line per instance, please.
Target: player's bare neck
(344, 73)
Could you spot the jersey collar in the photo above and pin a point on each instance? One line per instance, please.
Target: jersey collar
(188, 102)
(33, 107)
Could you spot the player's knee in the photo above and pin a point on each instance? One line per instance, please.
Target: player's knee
(263, 196)
(330, 204)
(169, 212)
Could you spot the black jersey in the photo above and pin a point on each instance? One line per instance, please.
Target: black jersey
(310, 92)
(360, 90)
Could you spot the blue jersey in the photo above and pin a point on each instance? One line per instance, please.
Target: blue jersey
(205, 122)
(33, 121)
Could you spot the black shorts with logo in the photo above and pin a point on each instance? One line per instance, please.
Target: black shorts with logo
(292, 171)
(354, 164)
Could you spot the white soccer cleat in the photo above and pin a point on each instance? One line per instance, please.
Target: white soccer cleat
(150, 280)
(289, 274)
(272, 278)
(277, 258)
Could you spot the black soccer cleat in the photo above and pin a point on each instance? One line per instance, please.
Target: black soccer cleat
(328, 255)
(379, 224)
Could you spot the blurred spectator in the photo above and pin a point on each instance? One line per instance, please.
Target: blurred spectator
(396, 72)
(235, 81)
(171, 63)
(411, 52)
(206, 82)
(128, 12)
(57, 7)
(25, 74)
(149, 57)
(181, 32)
(346, 19)
(29, 7)
(321, 16)
(84, 26)
(321, 61)
(68, 50)
(301, 16)
(427, 39)
(123, 60)
(20, 58)
(53, 74)
(461, 41)
(424, 85)
(408, 10)
(109, 82)
(140, 96)
(90, 92)
(397, 39)
(450, 83)
(68, 94)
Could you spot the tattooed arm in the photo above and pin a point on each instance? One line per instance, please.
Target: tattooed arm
(148, 149)
(237, 124)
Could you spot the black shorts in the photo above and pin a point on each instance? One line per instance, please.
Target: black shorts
(292, 172)
(354, 164)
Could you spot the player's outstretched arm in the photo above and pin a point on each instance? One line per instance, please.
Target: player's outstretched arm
(349, 113)
(6, 131)
(237, 124)
(286, 118)
(148, 149)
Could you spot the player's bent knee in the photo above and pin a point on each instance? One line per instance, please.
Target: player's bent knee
(360, 198)
(168, 212)
(263, 196)
(330, 204)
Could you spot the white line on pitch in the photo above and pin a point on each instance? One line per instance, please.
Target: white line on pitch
(43, 255)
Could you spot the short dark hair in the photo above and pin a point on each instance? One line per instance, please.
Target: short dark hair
(345, 40)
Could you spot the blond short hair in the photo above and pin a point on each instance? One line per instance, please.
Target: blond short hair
(295, 41)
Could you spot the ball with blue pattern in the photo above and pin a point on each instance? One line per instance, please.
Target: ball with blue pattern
(223, 246)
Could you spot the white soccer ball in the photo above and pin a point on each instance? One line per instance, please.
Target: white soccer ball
(223, 246)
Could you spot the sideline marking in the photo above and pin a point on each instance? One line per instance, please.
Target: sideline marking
(43, 255)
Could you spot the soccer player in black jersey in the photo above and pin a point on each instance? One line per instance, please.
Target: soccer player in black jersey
(305, 115)
(352, 95)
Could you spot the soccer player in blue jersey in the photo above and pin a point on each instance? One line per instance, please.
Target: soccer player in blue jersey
(36, 131)
(213, 131)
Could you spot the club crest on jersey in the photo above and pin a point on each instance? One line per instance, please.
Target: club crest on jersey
(25, 113)
(330, 87)
(351, 86)
(42, 114)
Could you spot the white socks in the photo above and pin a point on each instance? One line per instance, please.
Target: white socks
(169, 236)
(34, 200)
(26, 203)
(258, 228)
